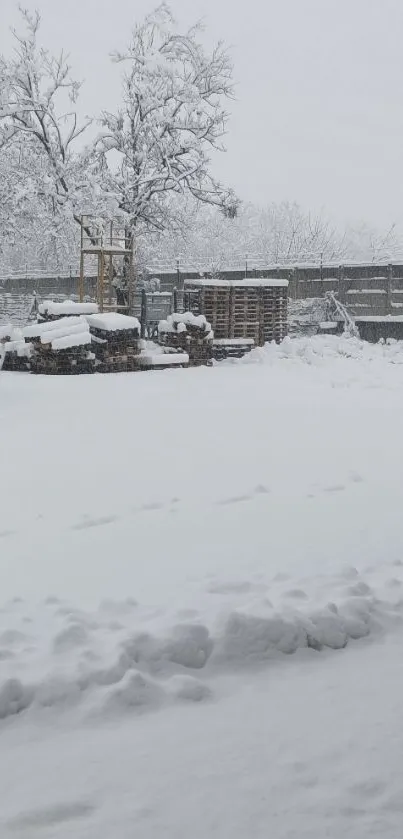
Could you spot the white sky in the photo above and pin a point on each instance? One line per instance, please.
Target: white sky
(319, 111)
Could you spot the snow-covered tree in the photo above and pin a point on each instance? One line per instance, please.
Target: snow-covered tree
(37, 108)
(158, 143)
(171, 119)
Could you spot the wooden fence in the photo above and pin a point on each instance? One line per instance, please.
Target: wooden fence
(366, 289)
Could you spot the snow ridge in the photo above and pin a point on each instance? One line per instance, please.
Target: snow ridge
(113, 661)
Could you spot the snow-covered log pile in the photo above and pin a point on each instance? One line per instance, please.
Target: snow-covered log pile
(190, 333)
(49, 310)
(60, 347)
(15, 353)
(116, 341)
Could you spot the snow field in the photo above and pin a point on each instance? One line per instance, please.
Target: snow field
(240, 509)
(201, 586)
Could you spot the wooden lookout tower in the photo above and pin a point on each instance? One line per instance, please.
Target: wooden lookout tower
(105, 243)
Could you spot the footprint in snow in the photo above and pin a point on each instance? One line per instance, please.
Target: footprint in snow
(236, 499)
(356, 478)
(334, 488)
(261, 489)
(281, 577)
(296, 594)
(234, 587)
(87, 523)
(65, 811)
(153, 505)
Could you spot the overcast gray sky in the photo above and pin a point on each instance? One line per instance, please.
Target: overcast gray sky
(319, 111)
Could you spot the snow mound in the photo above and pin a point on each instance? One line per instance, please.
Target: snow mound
(320, 349)
(57, 656)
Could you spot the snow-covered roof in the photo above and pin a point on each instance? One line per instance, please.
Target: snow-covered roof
(259, 282)
(112, 322)
(67, 307)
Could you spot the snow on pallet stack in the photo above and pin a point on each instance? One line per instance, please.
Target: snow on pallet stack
(60, 347)
(116, 341)
(14, 352)
(49, 310)
(188, 333)
(241, 309)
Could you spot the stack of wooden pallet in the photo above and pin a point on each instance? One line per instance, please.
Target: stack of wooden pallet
(190, 333)
(211, 299)
(60, 347)
(116, 341)
(245, 312)
(254, 309)
(274, 308)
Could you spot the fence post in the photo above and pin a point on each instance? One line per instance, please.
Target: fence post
(175, 299)
(143, 316)
(322, 284)
(296, 282)
(342, 287)
(178, 273)
(389, 289)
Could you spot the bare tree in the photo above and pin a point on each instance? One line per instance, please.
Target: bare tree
(367, 244)
(280, 234)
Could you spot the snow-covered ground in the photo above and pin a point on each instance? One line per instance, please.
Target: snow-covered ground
(202, 598)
